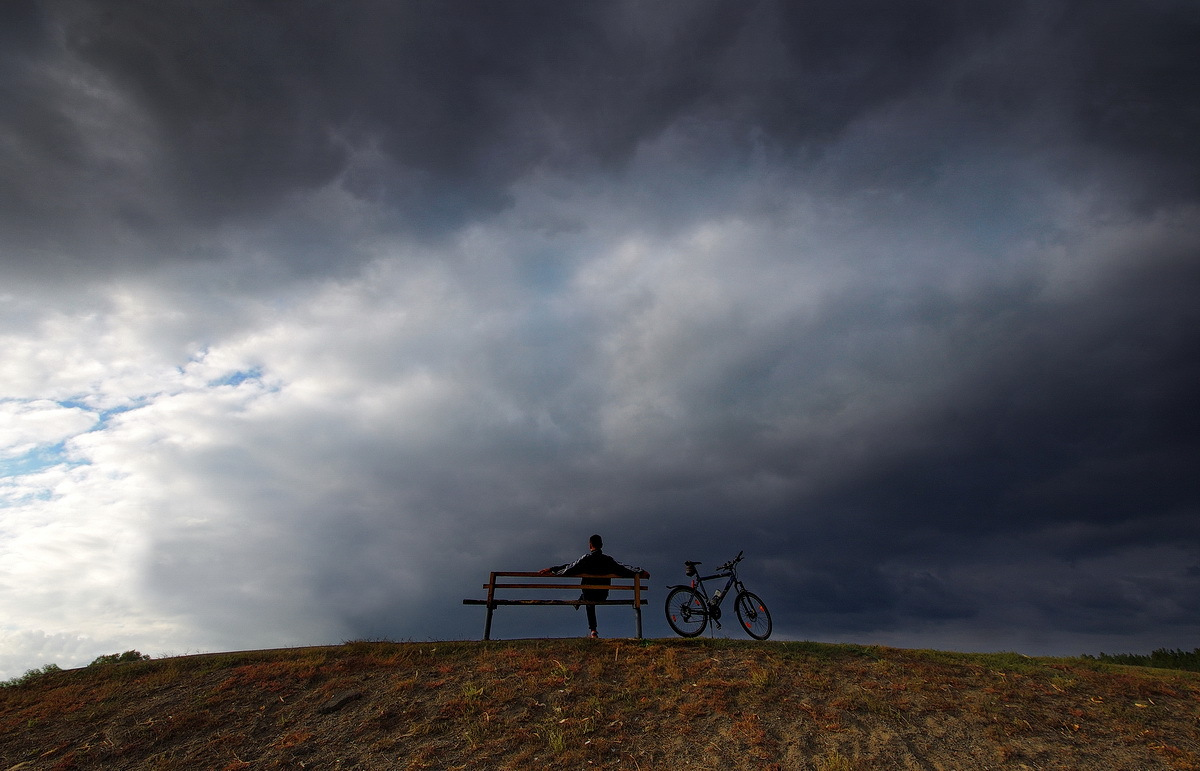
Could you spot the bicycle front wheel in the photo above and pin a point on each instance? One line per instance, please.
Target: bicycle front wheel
(753, 614)
(686, 611)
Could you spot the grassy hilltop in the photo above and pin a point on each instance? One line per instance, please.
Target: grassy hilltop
(654, 704)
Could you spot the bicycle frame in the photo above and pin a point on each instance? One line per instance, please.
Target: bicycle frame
(714, 602)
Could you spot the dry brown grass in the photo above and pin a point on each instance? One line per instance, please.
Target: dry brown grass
(603, 704)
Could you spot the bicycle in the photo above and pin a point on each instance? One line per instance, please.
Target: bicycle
(689, 607)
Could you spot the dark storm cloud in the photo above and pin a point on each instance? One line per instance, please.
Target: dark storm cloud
(841, 59)
(247, 104)
(1105, 380)
(1071, 415)
(24, 28)
(1138, 86)
(253, 102)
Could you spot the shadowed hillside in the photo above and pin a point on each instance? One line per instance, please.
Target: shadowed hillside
(655, 704)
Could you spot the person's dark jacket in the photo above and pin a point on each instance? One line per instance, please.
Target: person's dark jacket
(595, 562)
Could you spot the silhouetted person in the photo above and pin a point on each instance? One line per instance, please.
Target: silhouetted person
(593, 563)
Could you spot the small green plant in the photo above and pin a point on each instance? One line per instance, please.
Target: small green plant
(556, 740)
(118, 658)
(762, 677)
(30, 675)
(1163, 658)
(834, 761)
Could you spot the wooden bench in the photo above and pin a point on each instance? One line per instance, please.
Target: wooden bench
(572, 583)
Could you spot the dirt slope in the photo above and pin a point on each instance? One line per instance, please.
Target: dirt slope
(655, 704)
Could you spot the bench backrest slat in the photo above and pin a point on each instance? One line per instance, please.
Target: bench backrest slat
(529, 574)
(615, 587)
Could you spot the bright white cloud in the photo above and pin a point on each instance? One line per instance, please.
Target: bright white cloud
(30, 424)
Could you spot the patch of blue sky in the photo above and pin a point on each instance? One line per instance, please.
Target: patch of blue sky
(103, 416)
(48, 455)
(13, 495)
(237, 378)
(37, 459)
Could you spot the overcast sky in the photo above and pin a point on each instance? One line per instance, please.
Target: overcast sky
(313, 313)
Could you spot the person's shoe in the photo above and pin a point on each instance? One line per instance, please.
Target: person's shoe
(592, 634)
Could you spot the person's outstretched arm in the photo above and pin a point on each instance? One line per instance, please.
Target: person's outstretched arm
(616, 568)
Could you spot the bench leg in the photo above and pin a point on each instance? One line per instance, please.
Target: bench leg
(638, 611)
(491, 587)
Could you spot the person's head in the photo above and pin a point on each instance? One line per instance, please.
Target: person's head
(596, 542)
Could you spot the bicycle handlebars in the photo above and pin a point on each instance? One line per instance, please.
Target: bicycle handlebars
(691, 566)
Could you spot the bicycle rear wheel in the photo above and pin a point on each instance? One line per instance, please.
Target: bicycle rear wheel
(686, 611)
(753, 614)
